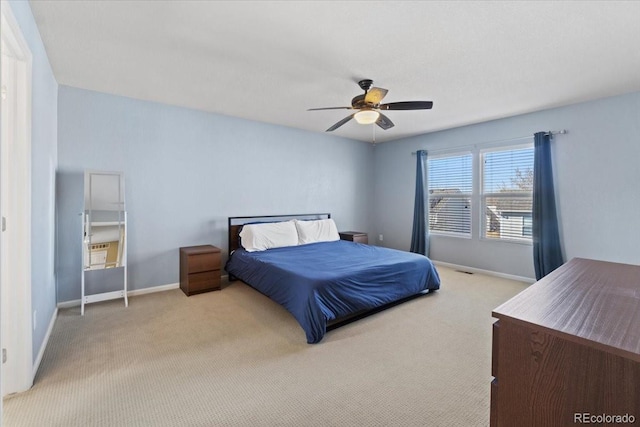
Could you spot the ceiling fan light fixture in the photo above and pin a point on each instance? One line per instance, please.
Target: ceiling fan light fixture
(366, 117)
(368, 107)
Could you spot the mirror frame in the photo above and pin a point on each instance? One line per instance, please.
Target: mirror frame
(112, 217)
(104, 220)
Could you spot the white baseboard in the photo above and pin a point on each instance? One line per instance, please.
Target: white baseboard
(487, 272)
(68, 304)
(161, 288)
(153, 289)
(43, 346)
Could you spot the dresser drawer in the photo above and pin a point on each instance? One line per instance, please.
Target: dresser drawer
(493, 420)
(494, 348)
(203, 262)
(205, 281)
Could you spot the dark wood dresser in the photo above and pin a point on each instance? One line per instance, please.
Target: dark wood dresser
(566, 351)
(354, 236)
(199, 269)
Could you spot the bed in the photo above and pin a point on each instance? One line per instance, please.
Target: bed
(325, 283)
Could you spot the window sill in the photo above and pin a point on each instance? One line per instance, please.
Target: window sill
(454, 235)
(512, 241)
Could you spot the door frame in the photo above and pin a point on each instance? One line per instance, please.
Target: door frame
(15, 286)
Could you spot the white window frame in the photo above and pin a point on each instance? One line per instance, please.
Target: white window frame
(483, 196)
(470, 195)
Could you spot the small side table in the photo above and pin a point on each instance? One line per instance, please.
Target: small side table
(354, 236)
(199, 269)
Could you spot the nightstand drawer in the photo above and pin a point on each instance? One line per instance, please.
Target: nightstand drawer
(199, 269)
(354, 236)
(206, 281)
(361, 238)
(203, 262)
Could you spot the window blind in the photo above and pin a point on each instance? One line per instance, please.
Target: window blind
(450, 186)
(507, 192)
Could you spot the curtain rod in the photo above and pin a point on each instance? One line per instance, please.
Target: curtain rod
(551, 132)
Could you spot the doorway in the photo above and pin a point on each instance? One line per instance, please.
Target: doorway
(15, 206)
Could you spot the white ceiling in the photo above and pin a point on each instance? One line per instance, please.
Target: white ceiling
(270, 61)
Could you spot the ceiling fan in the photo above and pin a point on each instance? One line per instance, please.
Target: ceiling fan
(369, 107)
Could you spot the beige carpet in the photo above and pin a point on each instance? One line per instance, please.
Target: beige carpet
(235, 358)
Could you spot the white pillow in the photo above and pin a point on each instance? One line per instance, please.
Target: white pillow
(321, 230)
(259, 237)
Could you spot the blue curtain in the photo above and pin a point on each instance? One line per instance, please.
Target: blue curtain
(420, 234)
(547, 255)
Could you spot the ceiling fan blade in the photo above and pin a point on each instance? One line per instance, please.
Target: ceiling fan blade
(340, 123)
(384, 122)
(330, 108)
(375, 95)
(408, 105)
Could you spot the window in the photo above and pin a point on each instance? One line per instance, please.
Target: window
(450, 186)
(507, 192)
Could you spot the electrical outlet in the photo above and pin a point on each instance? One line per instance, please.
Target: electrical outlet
(35, 319)
(381, 237)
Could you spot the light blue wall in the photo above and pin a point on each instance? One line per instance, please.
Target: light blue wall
(241, 167)
(186, 171)
(597, 172)
(43, 171)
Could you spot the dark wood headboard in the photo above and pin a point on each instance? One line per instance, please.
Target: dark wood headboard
(236, 223)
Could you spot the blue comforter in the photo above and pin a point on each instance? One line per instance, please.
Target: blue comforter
(320, 282)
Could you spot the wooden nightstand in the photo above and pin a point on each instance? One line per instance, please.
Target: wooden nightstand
(355, 236)
(199, 269)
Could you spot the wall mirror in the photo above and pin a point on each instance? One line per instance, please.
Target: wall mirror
(104, 229)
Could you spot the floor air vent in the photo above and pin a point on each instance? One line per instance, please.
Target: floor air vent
(465, 272)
